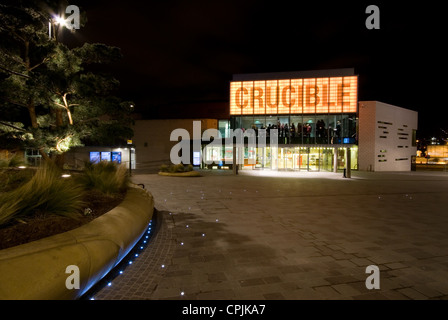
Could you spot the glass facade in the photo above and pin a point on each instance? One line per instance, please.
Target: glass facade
(316, 121)
(304, 128)
(296, 158)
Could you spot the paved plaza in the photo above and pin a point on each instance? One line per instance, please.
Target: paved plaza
(292, 235)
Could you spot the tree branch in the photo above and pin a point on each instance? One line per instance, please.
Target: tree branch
(12, 126)
(43, 61)
(14, 72)
(16, 103)
(58, 104)
(69, 114)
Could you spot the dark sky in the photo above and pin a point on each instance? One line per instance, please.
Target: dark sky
(177, 51)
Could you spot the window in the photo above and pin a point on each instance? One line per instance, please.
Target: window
(116, 157)
(94, 157)
(223, 127)
(105, 155)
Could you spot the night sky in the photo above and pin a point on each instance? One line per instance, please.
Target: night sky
(179, 52)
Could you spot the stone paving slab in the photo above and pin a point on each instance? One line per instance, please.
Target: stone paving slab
(292, 235)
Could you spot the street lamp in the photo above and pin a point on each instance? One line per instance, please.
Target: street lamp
(71, 22)
(59, 20)
(56, 20)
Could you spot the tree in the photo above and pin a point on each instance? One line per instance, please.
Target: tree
(49, 99)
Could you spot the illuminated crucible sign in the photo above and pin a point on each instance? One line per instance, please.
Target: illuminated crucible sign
(294, 96)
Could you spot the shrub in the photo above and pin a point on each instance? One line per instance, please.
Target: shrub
(16, 161)
(107, 177)
(13, 178)
(164, 168)
(13, 161)
(46, 193)
(179, 167)
(176, 168)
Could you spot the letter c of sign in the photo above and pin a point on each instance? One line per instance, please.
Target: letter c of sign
(238, 98)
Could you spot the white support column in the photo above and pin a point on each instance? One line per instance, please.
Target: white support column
(348, 163)
(335, 160)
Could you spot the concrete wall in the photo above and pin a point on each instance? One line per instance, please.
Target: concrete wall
(152, 139)
(366, 138)
(386, 136)
(37, 270)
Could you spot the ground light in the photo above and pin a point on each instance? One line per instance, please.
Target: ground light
(120, 268)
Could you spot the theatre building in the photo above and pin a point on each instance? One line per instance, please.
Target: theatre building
(316, 119)
(319, 123)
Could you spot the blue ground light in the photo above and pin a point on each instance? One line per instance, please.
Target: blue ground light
(120, 268)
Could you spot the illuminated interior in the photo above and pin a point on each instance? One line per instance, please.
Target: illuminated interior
(296, 158)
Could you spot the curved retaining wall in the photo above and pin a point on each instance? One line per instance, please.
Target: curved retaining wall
(37, 270)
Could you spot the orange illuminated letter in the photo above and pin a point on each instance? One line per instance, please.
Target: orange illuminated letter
(238, 98)
(285, 96)
(313, 95)
(269, 99)
(259, 96)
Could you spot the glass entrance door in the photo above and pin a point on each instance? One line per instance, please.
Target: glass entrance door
(304, 159)
(327, 159)
(314, 159)
(289, 157)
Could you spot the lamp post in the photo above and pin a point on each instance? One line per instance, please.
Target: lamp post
(72, 22)
(52, 23)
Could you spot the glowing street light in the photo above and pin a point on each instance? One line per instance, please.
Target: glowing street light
(59, 20)
(55, 20)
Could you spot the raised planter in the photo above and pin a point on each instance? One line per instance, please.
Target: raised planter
(180, 174)
(37, 270)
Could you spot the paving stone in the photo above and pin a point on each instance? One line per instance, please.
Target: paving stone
(346, 290)
(341, 279)
(270, 242)
(428, 291)
(274, 296)
(412, 294)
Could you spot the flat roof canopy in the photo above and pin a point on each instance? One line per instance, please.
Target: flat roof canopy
(343, 72)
